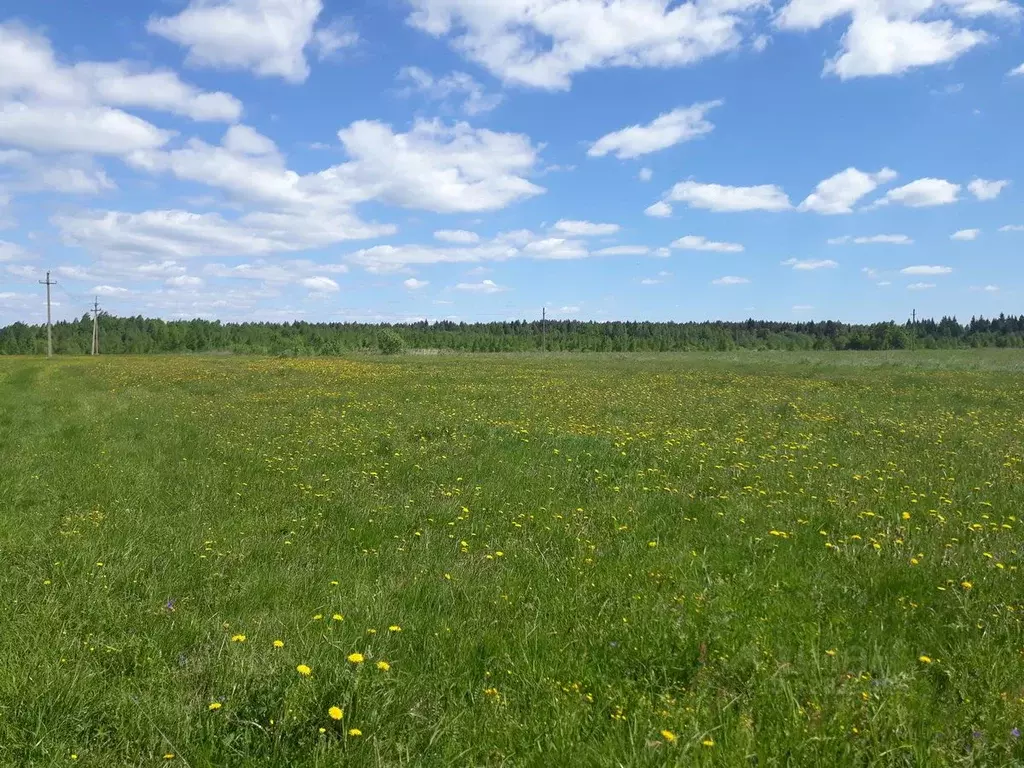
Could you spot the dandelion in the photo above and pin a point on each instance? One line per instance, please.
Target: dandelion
(214, 706)
(337, 617)
(924, 659)
(966, 585)
(335, 713)
(356, 658)
(303, 670)
(669, 737)
(394, 628)
(383, 666)
(354, 732)
(238, 639)
(279, 643)
(830, 652)
(906, 515)
(317, 616)
(169, 756)
(708, 742)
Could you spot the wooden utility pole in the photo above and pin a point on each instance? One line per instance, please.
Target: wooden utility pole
(96, 326)
(49, 326)
(543, 329)
(913, 329)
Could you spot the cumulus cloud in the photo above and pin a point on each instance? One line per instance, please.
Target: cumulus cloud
(459, 236)
(919, 286)
(923, 193)
(965, 234)
(623, 250)
(924, 269)
(701, 243)
(730, 280)
(184, 281)
(484, 286)
(806, 265)
(716, 197)
(987, 190)
(872, 240)
(1016, 71)
(320, 284)
(93, 130)
(839, 193)
(13, 252)
(646, 174)
(671, 128)
(1012, 228)
(266, 37)
(460, 87)
(585, 228)
(894, 36)
(544, 44)
(660, 210)
(31, 71)
(414, 285)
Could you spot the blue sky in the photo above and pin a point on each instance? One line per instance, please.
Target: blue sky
(606, 159)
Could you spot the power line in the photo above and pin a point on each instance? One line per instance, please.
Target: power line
(96, 326)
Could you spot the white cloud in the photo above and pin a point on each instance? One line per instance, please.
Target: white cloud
(986, 288)
(660, 210)
(872, 240)
(965, 234)
(414, 285)
(557, 248)
(585, 228)
(806, 265)
(919, 286)
(802, 307)
(13, 252)
(651, 281)
(701, 243)
(31, 71)
(987, 190)
(457, 86)
(730, 280)
(923, 193)
(543, 44)
(335, 37)
(926, 270)
(646, 174)
(839, 193)
(667, 130)
(267, 37)
(184, 281)
(716, 197)
(1017, 70)
(244, 140)
(320, 284)
(110, 291)
(485, 286)
(24, 271)
(94, 130)
(75, 181)
(459, 236)
(179, 234)
(889, 37)
(1012, 228)
(623, 250)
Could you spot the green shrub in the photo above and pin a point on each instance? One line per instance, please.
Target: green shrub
(390, 343)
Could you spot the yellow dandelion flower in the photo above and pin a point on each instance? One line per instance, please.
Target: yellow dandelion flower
(354, 732)
(169, 756)
(830, 652)
(669, 737)
(356, 658)
(303, 670)
(924, 659)
(335, 713)
(708, 742)
(906, 515)
(383, 666)
(966, 585)
(238, 639)
(279, 643)
(317, 616)
(337, 617)
(394, 628)
(214, 706)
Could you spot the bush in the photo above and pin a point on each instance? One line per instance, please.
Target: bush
(390, 343)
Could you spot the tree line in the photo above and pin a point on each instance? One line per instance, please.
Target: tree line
(139, 335)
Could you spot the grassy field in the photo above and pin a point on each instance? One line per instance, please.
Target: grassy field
(523, 561)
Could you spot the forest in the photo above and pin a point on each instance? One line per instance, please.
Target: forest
(138, 335)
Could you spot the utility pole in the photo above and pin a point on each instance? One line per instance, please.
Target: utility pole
(49, 326)
(96, 326)
(913, 328)
(543, 329)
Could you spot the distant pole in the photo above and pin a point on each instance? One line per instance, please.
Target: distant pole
(96, 326)
(49, 326)
(543, 329)
(913, 329)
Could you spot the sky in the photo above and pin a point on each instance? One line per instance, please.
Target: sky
(480, 160)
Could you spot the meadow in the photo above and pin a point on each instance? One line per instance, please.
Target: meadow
(738, 560)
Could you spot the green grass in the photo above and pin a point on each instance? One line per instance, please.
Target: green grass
(750, 552)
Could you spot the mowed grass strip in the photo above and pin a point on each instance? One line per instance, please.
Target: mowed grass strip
(584, 561)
